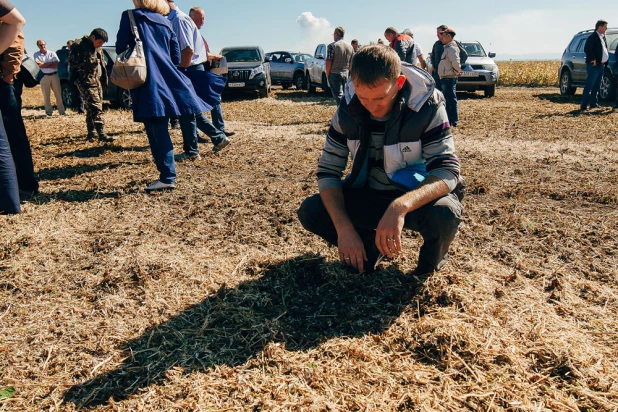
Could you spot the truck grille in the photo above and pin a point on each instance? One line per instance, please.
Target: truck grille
(238, 75)
(477, 66)
(471, 79)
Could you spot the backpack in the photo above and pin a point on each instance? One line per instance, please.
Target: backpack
(463, 54)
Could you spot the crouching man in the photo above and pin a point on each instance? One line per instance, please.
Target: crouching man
(393, 125)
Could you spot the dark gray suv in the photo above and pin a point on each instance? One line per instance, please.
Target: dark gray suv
(248, 69)
(572, 72)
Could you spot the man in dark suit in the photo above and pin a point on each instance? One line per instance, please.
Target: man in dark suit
(597, 56)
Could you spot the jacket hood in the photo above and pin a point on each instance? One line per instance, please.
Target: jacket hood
(421, 86)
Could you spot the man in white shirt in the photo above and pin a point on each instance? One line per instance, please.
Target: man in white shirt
(48, 62)
(193, 55)
(597, 56)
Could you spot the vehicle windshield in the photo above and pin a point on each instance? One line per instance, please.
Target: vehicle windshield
(237, 55)
(612, 41)
(300, 58)
(474, 50)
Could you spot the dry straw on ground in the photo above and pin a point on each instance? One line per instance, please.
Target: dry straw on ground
(212, 297)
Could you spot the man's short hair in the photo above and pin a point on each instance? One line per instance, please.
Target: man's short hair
(391, 30)
(600, 23)
(442, 27)
(99, 34)
(373, 64)
(38, 42)
(354, 41)
(194, 9)
(340, 31)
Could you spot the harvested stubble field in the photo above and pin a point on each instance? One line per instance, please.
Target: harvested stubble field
(212, 297)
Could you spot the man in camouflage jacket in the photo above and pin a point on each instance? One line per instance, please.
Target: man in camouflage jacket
(86, 58)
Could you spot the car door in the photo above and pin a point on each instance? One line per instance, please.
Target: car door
(275, 66)
(287, 67)
(316, 74)
(578, 58)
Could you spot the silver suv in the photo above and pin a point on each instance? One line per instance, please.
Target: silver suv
(480, 72)
(572, 72)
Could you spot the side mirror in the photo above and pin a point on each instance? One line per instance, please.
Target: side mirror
(319, 56)
(268, 59)
(492, 55)
(288, 60)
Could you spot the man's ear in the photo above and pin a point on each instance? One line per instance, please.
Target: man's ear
(401, 80)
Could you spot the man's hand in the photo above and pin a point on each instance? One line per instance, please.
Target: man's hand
(594, 62)
(8, 78)
(215, 57)
(351, 249)
(388, 233)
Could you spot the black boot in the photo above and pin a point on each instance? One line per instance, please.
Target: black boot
(91, 133)
(102, 136)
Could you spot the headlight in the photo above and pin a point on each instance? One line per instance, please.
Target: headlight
(490, 67)
(256, 71)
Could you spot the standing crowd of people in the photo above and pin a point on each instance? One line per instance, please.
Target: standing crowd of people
(445, 69)
(178, 86)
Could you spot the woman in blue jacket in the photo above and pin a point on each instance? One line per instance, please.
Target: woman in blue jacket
(167, 92)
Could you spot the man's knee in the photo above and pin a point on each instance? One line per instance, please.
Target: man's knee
(444, 216)
(311, 210)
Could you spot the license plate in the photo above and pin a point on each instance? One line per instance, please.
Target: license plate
(241, 84)
(469, 74)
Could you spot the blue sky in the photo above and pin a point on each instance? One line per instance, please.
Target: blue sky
(509, 28)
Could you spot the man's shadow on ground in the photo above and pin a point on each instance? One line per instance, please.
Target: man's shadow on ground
(300, 302)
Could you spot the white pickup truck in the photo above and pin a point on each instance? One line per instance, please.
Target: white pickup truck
(315, 67)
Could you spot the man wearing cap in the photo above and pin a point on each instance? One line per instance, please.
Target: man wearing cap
(417, 57)
(48, 62)
(597, 55)
(436, 55)
(449, 70)
(193, 55)
(404, 174)
(338, 59)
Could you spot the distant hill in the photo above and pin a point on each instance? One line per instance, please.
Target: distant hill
(527, 57)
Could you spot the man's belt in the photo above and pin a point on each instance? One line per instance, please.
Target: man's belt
(50, 74)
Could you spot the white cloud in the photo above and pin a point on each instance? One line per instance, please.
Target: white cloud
(307, 20)
(315, 30)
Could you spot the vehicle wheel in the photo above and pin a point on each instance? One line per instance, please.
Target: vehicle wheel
(124, 98)
(299, 82)
(264, 92)
(490, 91)
(67, 95)
(325, 88)
(608, 87)
(310, 87)
(565, 84)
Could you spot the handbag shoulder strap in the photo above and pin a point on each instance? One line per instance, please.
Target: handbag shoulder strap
(133, 25)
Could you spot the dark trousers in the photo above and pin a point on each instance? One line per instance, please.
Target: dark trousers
(436, 78)
(161, 147)
(594, 75)
(449, 89)
(9, 192)
(10, 105)
(437, 222)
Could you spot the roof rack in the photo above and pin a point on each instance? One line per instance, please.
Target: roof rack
(591, 30)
